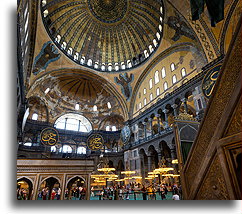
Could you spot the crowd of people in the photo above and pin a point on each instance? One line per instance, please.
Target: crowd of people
(46, 194)
(75, 193)
(22, 194)
(148, 192)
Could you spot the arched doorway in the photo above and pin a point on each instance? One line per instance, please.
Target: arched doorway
(24, 189)
(49, 189)
(75, 189)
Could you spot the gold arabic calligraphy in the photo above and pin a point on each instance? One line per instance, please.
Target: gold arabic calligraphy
(95, 143)
(48, 137)
(210, 83)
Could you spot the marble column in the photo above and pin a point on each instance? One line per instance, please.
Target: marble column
(150, 124)
(175, 107)
(166, 118)
(159, 157)
(184, 100)
(145, 131)
(158, 122)
(149, 163)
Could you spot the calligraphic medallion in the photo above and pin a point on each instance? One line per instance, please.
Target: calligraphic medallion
(209, 80)
(49, 136)
(95, 142)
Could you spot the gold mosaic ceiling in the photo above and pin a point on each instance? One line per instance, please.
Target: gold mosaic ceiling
(106, 35)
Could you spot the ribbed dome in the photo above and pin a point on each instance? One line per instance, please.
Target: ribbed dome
(106, 35)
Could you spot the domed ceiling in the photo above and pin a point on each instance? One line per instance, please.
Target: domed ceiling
(106, 35)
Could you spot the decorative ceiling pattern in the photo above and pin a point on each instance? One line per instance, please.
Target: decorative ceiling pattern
(105, 35)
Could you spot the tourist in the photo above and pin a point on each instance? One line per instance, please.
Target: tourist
(175, 196)
(58, 193)
(143, 189)
(53, 194)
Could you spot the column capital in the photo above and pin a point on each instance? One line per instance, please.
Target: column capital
(158, 115)
(150, 119)
(174, 106)
(144, 123)
(184, 99)
(165, 111)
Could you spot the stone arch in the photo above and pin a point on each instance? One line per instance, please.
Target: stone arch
(76, 181)
(50, 182)
(153, 155)
(38, 105)
(198, 56)
(165, 149)
(81, 74)
(29, 182)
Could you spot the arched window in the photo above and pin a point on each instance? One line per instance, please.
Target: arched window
(150, 83)
(70, 50)
(46, 12)
(144, 90)
(76, 56)
(161, 10)
(116, 66)
(47, 90)
(163, 72)
(107, 128)
(151, 48)
(103, 67)
(157, 79)
(81, 150)
(28, 144)
(140, 105)
(77, 107)
(58, 38)
(110, 67)
(165, 86)
(122, 65)
(183, 72)
(35, 116)
(155, 42)
(161, 20)
(53, 149)
(158, 36)
(157, 91)
(66, 149)
(146, 53)
(89, 62)
(94, 108)
(73, 122)
(114, 129)
(151, 97)
(145, 101)
(63, 46)
(160, 28)
(43, 3)
(129, 65)
(83, 60)
(109, 105)
(172, 66)
(96, 65)
(174, 79)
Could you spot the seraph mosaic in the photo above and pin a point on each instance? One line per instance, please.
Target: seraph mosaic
(48, 54)
(124, 80)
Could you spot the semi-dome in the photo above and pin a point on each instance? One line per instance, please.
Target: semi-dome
(106, 35)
